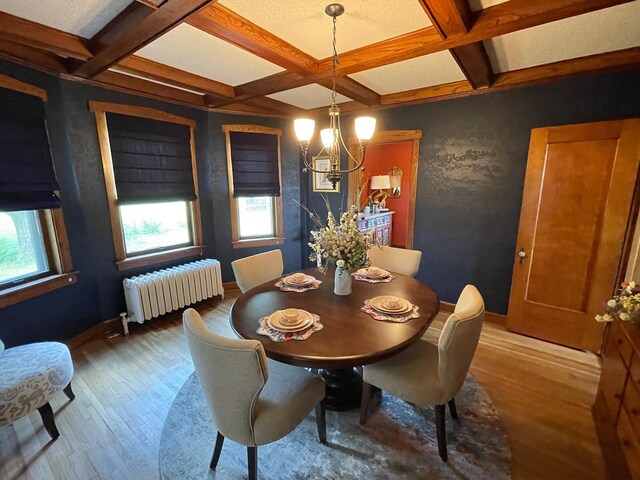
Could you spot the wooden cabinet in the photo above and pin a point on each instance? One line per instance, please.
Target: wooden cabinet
(617, 407)
(380, 224)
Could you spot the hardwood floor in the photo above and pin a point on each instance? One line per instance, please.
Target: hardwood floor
(125, 386)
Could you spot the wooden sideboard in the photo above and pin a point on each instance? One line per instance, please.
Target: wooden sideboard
(380, 224)
(617, 406)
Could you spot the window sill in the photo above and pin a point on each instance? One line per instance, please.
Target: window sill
(37, 287)
(258, 242)
(159, 257)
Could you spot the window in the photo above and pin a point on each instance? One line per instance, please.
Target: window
(149, 167)
(155, 226)
(23, 254)
(253, 165)
(256, 217)
(34, 255)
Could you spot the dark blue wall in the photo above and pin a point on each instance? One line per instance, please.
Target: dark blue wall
(98, 295)
(472, 163)
(473, 157)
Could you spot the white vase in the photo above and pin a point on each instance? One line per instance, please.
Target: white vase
(342, 282)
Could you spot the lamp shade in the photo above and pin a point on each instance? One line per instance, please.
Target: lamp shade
(365, 126)
(327, 137)
(304, 129)
(380, 182)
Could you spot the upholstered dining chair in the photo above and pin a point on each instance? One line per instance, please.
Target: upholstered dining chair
(30, 375)
(253, 401)
(256, 269)
(428, 374)
(400, 260)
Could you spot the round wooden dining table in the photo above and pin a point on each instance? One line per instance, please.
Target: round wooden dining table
(349, 339)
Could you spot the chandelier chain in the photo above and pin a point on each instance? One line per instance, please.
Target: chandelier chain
(335, 62)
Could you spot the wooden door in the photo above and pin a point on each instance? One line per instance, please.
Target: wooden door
(578, 193)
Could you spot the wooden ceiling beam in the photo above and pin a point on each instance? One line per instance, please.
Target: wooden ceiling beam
(227, 25)
(474, 63)
(454, 17)
(32, 57)
(158, 22)
(277, 106)
(266, 86)
(19, 30)
(354, 90)
(149, 88)
(491, 22)
(163, 73)
(120, 25)
(212, 90)
(500, 19)
(592, 64)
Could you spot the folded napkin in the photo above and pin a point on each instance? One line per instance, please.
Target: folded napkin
(390, 317)
(279, 336)
(364, 278)
(290, 288)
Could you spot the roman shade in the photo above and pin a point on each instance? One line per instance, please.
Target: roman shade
(27, 179)
(151, 159)
(254, 161)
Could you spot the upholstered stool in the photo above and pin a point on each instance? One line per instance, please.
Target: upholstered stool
(29, 376)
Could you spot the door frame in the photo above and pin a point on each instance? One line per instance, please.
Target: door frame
(592, 336)
(380, 138)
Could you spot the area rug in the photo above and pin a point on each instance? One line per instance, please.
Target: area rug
(397, 442)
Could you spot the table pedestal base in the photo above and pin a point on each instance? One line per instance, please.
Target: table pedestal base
(343, 389)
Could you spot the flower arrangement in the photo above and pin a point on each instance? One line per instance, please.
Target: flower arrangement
(625, 305)
(341, 242)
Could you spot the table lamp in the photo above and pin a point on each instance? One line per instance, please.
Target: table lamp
(380, 183)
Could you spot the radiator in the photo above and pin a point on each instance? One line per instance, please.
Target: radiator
(156, 293)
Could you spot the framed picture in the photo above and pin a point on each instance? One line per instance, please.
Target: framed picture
(320, 182)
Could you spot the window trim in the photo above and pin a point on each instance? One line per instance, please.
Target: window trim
(54, 234)
(236, 240)
(122, 260)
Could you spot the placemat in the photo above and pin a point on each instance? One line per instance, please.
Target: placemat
(375, 314)
(363, 278)
(279, 336)
(290, 288)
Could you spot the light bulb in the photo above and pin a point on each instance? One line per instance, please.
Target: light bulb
(304, 129)
(365, 126)
(327, 137)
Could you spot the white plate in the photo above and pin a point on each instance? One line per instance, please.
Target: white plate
(274, 321)
(378, 304)
(365, 273)
(288, 280)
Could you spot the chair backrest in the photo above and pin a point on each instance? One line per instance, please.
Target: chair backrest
(256, 269)
(232, 374)
(459, 339)
(400, 260)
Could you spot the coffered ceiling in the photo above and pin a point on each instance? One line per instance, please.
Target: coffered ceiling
(273, 58)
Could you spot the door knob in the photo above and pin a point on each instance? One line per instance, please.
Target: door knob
(522, 254)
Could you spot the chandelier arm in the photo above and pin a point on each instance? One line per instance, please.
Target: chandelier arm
(308, 166)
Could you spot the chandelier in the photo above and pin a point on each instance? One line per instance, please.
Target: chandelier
(331, 137)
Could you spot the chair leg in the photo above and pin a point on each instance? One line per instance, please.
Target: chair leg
(252, 457)
(453, 409)
(216, 451)
(440, 431)
(68, 392)
(364, 404)
(46, 413)
(321, 423)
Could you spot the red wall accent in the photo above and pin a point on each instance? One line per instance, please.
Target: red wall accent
(379, 159)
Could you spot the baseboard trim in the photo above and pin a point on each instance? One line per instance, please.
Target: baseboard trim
(498, 318)
(94, 332)
(230, 286)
